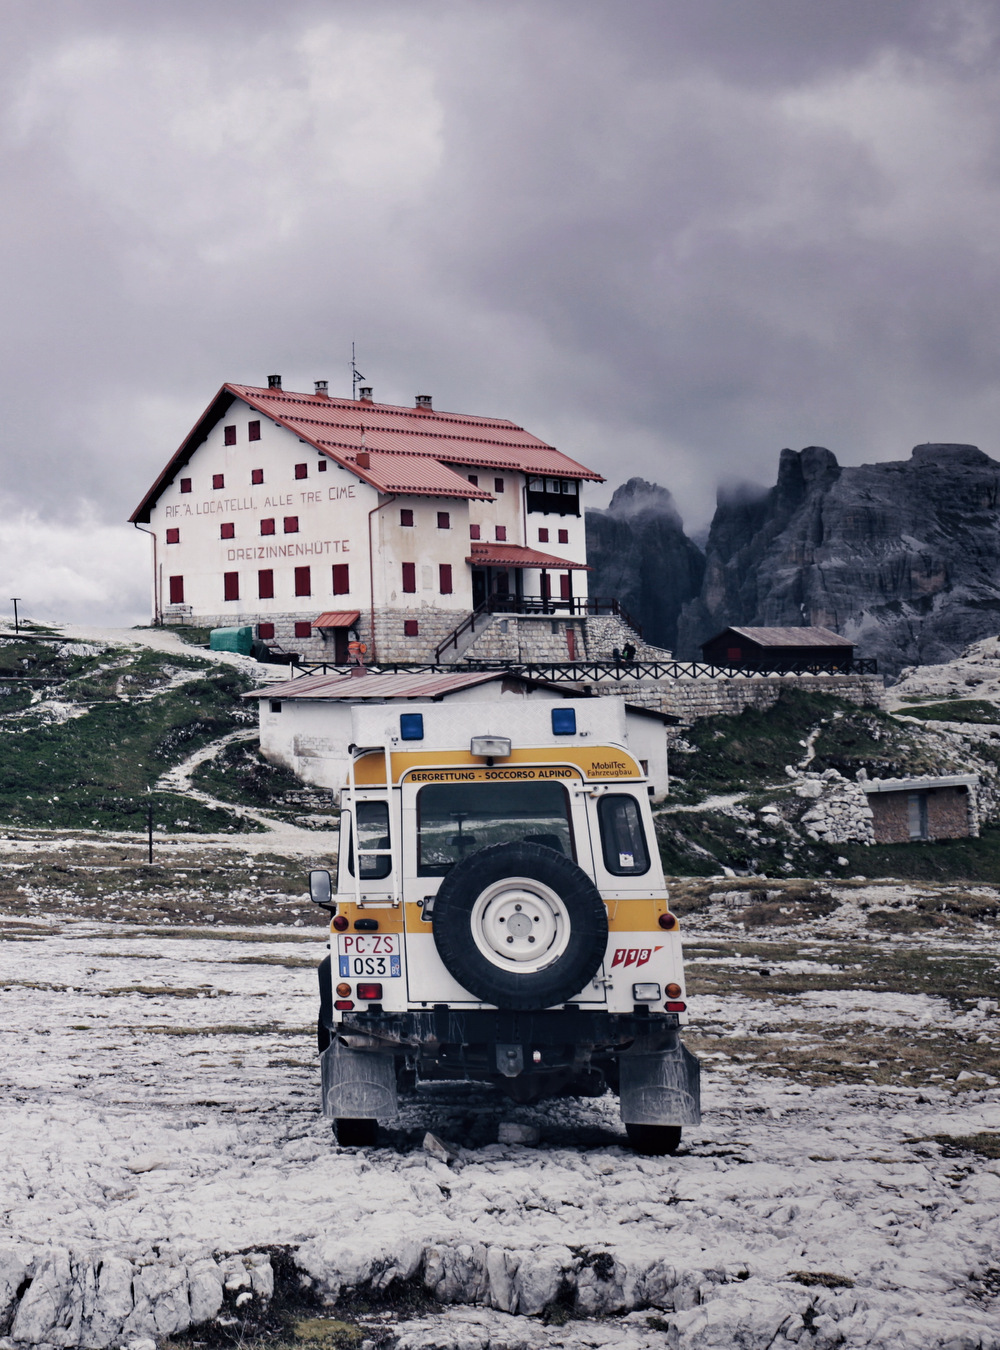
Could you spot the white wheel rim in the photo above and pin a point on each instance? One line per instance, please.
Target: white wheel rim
(520, 924)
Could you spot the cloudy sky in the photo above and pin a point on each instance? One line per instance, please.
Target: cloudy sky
(670, 236)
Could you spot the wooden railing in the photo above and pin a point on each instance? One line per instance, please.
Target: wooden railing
(558, 672)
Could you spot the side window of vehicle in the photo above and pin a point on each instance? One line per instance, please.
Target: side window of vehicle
(373, 833)
(623, 840)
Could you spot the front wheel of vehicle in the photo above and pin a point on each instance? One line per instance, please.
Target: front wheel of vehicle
(655, 1141)
(355, 1133)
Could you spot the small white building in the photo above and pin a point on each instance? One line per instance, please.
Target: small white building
(316, 519)
(305, 723)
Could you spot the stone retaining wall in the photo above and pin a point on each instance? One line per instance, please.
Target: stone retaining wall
(713, 696)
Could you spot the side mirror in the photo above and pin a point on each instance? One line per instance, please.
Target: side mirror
(320, 887)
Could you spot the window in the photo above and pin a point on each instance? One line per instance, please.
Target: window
(303, 629)
(265, 631)
(498, 485)
(444, 578)
(501, 534)
(230, 585)
(568, 487)
(321, 466)
(256, 475)
(291, 524)
(253, 431)
(475, 532)
(302, 471)
(341, 578)
(177, 590)
(454, 820)
(622, 839)
(227, 530)
(267, 526)
(173, 536)
(564, 536)
(265, 590)
(303, 581)
(536, 484)
(409, 578)
(373, 834)
(411, 628)
(553, 495)
(474, 479)
(218, 480)
(543, 536)
(229, 435)
(185, 484)
(406, 517)
(444, 520)
(275, 702)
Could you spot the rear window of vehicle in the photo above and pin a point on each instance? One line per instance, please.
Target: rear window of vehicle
(623, 840)
(456, 819)
(373, 832)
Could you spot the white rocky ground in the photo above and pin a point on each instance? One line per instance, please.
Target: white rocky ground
(159, 1118)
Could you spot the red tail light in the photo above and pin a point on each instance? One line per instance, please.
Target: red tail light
(671, 1007)
(665, 920)
(340, 923)
(368, 992)
(344, 1004)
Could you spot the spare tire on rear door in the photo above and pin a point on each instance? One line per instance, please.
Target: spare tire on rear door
(520, 926)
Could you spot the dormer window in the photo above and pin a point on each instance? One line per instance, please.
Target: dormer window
(556, 496)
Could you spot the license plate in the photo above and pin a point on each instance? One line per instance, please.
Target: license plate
(361, 954)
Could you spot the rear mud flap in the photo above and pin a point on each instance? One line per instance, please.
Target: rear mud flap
(358, 1085)
(661, 1088)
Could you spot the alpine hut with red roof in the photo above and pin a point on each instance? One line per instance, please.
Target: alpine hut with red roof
(319, 519)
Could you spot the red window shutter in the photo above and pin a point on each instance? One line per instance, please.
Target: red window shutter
(230, 585)
(498, 485)
(177, 590)
(185, 484)
(253, 431)
(411, 628)
(301, 471)
(565, 592)
(571, 643)
(543, 536)
(474, 479)
(406, 517)
(501, 534)
(341, 578)
(303, 630)
(291, 524)
(227, 530)
(303, 581)
(564, 536)
(265, 631)
(475, 532)
(173, 536)
(409, 578)
(265, 587)
(218, 480)
(321, 466)
(734, 653)
(444, 572)
(444, 520)
(230, 435)
(267, 527)
(546, 585)
(256, 475)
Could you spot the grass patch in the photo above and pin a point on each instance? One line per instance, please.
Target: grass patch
(985, 1144)
(821, 1278)
(956, 710)
(241, 774)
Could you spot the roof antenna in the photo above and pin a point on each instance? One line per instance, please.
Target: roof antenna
(356, 376)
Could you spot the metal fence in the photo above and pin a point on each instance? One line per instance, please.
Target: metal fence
(593, 672)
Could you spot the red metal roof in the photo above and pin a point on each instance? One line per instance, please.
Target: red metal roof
(333, 618)
(512, 555)
(428, 685)
(398, 439)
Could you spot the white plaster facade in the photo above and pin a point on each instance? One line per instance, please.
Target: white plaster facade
(274, 511)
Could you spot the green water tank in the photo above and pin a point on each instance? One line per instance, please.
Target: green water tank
(231, 640)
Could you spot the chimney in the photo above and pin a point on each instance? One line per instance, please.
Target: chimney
(363, 460)
(322, 389)
(365, 393)
(424, 401)
(274, 381)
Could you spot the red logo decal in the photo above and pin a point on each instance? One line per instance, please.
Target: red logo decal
(633, 956)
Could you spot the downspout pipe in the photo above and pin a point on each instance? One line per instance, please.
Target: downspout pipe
(371, 566)
(157, 616)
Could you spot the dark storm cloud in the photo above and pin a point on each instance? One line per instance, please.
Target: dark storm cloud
(671, 238)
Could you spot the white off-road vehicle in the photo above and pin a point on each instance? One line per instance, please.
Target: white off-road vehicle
(501, 916)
